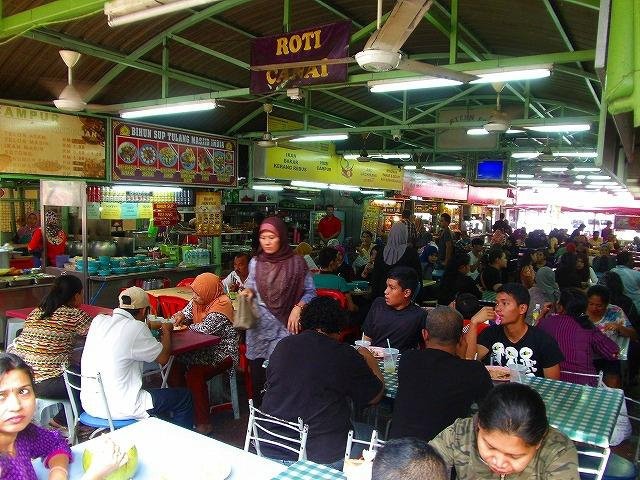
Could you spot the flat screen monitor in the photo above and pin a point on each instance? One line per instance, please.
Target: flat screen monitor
(490, 170)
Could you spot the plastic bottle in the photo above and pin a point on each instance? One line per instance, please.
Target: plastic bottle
(536, 313)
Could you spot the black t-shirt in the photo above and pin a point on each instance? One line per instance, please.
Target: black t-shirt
(490, 276)
(434, 389)
(445, 237)
(403, 327)
(310, 376)
(536, 349)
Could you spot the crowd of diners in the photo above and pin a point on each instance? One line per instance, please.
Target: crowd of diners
(555, 312)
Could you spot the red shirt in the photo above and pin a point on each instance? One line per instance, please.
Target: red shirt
(35, 245)
(328, 227)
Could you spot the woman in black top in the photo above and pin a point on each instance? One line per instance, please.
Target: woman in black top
(456, 280)
(567, 274)
(495, 262)
(397, 252)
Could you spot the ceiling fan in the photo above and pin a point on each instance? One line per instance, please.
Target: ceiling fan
(364, 155)
(499, 121)
(382, 53)
(267, 140)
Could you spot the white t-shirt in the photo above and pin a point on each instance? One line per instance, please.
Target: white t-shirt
(117, 346)
(233, 277)
(473, 260)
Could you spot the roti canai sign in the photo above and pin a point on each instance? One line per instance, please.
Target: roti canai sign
(329, 41)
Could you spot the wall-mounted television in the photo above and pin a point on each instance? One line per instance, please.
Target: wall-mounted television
(490, 170)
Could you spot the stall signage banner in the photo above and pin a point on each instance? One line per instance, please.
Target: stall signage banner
(154, 154)
(433, 186)
(165, 214)
(289, 164)
(93, 211)
(34, 142)
(208, 214)
(129, 211)
(111, 211)
(145, 210)
(626, 222)
(487, 195)
(329, 41)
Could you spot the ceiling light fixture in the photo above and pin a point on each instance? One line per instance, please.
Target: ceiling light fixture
(521, 176)
(321, 138)
(304, 199)
(577, 182)
(581, 127)
(372, 192)
(581, 177)
(381, 86)
(586, 169)
(268, 188)
(578, 154)
(605, 184)
(344, 188)
(599, 177)
(554, 169)
(410, 167)
(524, 154)
(122, 12)
(169, 109)
(383, 156)
(302, 183)
(477, 131)
(443, 168)
(511, 74)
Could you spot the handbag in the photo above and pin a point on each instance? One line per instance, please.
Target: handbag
(246, 314)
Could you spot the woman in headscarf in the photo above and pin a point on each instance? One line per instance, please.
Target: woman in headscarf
(55, 237)
(397, 252)
(210, 312)
(545, 293)
(428, 260)
(281, 282)
(304, 250)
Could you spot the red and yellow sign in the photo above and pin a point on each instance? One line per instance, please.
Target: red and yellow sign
(35, 142)
(329, 41)
(208, 214)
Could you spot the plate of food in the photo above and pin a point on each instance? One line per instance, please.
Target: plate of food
(499, 374)
(127, 152)
(180, 328)
(148, 154)
(168, 156)
(188, 159)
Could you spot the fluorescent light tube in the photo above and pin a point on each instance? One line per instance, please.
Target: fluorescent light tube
(514, 130)
(304, 199)
(321, 138)
(510, 75)
(372, 192)
(168, 109)
(269, 188)
(554, 169)
(380, 86)
(302, 183)
(143, 189)
(388, 156)
(344, 188)
(599, 177)
(605, 184)
(594, 186)
(577, 182)
(582, 127)
(122, 12)
(578, 154)
(586, 169)
(521, 175)
(410, 167)
(350, 156)
(443, 168)
(524, 154)
(581, 177)
(477, 131)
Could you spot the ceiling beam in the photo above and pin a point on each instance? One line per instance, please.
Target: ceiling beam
(338, 13)
(152, 43)
(453, 36)
(361, 106)
(57, 11)
(445, 102)
(367, 29)
(435, 126)
(567, 41)
(286, 16)
(244, 120)
(592, 4)
(210, 52)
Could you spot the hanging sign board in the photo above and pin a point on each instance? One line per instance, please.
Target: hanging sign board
(129, 211)
(289, 164)
(329, 41)
(34, 142)
(433, 186)
(154, 154)
(111, 211)
(208, 214)
(626, 222)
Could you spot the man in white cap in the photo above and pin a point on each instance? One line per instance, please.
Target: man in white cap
(117, 346)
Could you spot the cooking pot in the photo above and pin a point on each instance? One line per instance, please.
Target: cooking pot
(74, 248)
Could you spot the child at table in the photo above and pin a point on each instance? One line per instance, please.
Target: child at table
(21, 441)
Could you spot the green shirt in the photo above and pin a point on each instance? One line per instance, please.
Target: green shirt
(556, 459)
(331, 281)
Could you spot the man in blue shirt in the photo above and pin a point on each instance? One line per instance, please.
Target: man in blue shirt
(630, 277)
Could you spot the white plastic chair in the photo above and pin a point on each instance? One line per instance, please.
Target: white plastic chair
(373, 444)
(100, 424)
(257, 431)
(43, 412)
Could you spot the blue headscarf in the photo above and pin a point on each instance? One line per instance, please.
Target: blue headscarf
(428, 251)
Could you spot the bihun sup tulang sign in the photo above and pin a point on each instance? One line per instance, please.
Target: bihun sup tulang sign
(322, 42)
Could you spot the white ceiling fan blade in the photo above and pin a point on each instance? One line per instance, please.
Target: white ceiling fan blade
(403, 20)
(434, 71)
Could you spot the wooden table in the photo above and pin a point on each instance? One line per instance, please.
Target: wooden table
(182, 292)
(169, 452)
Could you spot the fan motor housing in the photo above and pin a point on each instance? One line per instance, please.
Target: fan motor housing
(374, 60)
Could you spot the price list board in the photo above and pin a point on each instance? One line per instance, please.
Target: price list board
(34, 142)
(208, 214)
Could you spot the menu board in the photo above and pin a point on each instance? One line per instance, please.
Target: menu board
(208, 214)
(34, 142)
(165, 214)
(165, 155)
